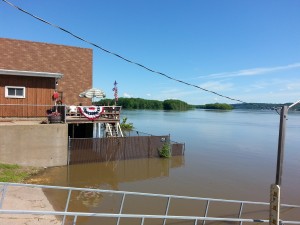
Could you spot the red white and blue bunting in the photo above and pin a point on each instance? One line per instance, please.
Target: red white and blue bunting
(91, 112)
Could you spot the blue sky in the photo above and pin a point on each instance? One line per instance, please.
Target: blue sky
(248, 50)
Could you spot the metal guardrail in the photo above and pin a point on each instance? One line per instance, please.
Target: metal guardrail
(142, 217)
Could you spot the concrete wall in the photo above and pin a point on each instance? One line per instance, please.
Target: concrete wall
(40, 145)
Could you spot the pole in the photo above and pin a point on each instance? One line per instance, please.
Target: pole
(275, 188)
(281, 140)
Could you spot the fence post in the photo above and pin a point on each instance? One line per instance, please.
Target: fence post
(69, 150)
(148, 146)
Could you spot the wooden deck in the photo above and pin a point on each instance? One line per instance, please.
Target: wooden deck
(105, 114)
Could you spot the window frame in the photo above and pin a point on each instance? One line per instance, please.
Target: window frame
(15, 96)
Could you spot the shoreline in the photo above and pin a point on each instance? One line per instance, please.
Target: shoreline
(27, 198)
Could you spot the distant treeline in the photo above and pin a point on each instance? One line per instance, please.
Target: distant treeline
(139, 103)
(171, 104)
(247, 106)
(219, 106)
(263, 106)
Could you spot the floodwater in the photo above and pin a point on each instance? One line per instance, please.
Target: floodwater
(229, 155)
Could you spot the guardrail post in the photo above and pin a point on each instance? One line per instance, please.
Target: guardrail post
(67, 206)
(121, 208)
(240, 212)
(3, 191)
(167, 209)
(206, 210)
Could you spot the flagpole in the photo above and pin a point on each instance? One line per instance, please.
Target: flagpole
(115, 89)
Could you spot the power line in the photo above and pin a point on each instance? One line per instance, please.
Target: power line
(119, 56)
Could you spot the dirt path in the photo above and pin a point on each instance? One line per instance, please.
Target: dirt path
(27, 198)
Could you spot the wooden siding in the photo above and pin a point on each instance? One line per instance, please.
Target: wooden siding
(74, 63)
(38, 97)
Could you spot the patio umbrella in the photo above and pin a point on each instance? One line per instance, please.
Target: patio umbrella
(92, 93)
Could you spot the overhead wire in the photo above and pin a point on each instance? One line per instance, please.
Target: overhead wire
(119, 56)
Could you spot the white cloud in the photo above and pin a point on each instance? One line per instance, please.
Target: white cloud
(275, 84)
(149, 95)
(252, 72)
(126, 95)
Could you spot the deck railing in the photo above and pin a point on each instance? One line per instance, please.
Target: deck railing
(121, 212)
(23, 111)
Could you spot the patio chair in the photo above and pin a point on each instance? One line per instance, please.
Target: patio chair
(72, 110)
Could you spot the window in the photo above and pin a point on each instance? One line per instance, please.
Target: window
(14, 92)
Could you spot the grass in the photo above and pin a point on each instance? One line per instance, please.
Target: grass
(15, 173)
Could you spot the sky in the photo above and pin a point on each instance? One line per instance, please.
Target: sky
(247, 50)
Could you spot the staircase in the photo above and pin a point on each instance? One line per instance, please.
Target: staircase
(113, 130)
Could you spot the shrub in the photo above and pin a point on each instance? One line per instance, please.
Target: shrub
(165, 151)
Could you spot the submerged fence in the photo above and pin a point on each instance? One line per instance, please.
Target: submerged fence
(86, 150)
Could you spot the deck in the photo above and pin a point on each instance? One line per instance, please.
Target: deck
(17, 113)
(109, 114)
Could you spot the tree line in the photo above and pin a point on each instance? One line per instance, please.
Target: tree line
(172, 104)
(139, 103)
(263, 106)
(219, 106)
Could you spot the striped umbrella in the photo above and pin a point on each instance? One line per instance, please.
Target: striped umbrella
(92, 93)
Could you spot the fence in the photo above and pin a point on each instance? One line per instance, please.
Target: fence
(86, 150)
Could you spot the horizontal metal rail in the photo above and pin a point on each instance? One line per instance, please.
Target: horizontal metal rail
(111, 215)
(144, 194)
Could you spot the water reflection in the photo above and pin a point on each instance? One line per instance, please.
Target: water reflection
(107, 175)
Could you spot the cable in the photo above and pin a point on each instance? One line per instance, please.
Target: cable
(119, 56)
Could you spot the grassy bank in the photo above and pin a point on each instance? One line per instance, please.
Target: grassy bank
(16, 173)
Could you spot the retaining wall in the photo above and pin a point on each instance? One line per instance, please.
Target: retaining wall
(40, 145)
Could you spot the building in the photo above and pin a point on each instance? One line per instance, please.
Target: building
(34, 77)
(31, 72)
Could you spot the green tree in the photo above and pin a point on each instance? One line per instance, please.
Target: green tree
(172, 104)
(219, 106)
(139, 103)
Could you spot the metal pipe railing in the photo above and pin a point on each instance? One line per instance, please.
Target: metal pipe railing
(144, 194)
(164, 216)
(141, 216)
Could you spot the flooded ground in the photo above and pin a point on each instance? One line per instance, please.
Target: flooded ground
(229, 155)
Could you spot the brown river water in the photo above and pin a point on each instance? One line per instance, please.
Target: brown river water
(229, 155)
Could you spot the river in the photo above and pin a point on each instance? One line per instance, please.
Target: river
(228, 155)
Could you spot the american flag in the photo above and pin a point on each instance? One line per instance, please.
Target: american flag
(115, 89)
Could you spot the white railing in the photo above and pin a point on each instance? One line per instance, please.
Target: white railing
(142, 217)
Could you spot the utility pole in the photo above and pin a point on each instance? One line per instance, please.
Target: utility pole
(274, 218)
(275, 188)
